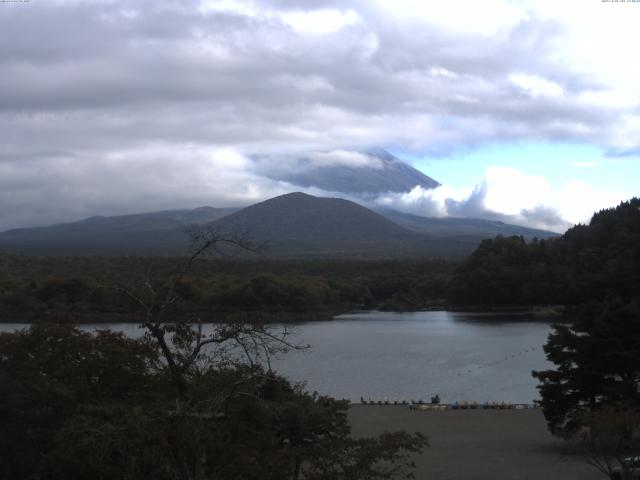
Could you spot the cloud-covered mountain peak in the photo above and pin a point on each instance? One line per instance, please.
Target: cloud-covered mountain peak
(359, 172)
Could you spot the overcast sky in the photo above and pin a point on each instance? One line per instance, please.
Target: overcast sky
(529, 109)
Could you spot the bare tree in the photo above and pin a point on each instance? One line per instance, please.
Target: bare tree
(181, 339)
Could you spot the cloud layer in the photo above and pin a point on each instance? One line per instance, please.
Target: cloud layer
(508, 195)
(112, 106)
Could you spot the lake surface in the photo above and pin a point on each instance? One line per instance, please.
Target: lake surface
(460, 356)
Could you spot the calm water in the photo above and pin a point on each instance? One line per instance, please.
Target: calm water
(460, 356)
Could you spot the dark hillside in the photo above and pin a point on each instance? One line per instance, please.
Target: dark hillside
(295, 225)
(301, 216)
(588, 263)
(154, 232)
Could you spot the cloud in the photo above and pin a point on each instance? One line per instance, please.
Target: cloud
(536, 86)
(151, 86)
(486, 18)
(344, 158)
(434, 202)
(184, 176)
(112, 184)
(320, 22)
(192, 175)
(510, 196)
(256, 75)
(509, 191)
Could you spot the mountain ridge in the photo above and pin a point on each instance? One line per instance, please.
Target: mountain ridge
(294, 225)
(448, 226)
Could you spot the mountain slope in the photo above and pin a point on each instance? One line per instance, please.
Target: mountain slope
(124, 233)
(292, 225)
(301, 216)
(297, 224)
(381, 172)
(452, 226)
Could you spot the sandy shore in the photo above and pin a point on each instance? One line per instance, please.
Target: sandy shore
(478, 444)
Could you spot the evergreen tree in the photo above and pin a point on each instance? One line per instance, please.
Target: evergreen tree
(597, 365)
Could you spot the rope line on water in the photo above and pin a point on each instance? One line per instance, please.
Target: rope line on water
(426, 404)
(496, 362)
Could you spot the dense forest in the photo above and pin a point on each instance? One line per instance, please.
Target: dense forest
(589, 262)
(89, 289)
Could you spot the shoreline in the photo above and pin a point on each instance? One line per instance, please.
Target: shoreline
(553, 313)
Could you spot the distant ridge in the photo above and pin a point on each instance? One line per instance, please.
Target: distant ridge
(454, 226)
(294, 225)
(117, 234)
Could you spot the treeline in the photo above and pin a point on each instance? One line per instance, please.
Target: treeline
(588, 263)
(94, 288)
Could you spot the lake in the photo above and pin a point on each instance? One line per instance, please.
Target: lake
(460, 356)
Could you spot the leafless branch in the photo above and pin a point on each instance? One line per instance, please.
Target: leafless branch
(182, 343)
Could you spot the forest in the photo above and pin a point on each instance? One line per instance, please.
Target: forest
(588, 263)
(87, 289)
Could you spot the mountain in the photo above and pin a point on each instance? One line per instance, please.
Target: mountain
(291, 225)
(118, 234)
(362, 173)
(455, 227)
(301, 216)
(297, 223)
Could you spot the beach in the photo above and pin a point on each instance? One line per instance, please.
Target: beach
(478, 444)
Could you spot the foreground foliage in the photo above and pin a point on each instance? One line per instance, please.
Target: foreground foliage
(102, 406)
(597, 362)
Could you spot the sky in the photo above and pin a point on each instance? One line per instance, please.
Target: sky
(526, 110)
